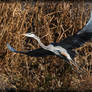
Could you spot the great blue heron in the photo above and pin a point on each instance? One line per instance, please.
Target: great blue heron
(63, 48)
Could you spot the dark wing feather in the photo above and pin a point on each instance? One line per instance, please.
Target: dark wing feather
(40, 52)
(79, 38)
(76, 41)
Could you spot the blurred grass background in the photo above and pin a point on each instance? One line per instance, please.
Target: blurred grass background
(51, 21)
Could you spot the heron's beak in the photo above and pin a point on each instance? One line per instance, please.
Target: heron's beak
(26, 35)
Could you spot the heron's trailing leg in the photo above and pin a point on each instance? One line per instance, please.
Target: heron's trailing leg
(78, 68)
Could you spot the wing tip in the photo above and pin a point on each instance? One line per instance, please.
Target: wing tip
(11, 48)
(91, 14)
(88, 26)
(90, 20)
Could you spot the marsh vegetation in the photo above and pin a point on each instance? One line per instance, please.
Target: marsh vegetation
(51, 21)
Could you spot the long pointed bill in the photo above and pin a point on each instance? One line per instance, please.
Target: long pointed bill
(29, 35)
(23, 34)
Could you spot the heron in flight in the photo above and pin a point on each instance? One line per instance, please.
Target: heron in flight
(64, 48)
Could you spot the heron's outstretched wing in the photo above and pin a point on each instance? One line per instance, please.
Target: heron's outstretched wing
(40, 52)
(79, 38)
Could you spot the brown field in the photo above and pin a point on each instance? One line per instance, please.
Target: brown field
(51, 21)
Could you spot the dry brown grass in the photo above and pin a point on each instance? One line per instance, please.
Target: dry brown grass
(51, 21)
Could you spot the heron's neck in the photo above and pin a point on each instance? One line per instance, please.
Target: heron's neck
(40, 43)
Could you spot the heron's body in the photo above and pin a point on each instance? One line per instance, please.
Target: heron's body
(64, 47)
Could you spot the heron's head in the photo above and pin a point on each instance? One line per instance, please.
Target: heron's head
(29, 35)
